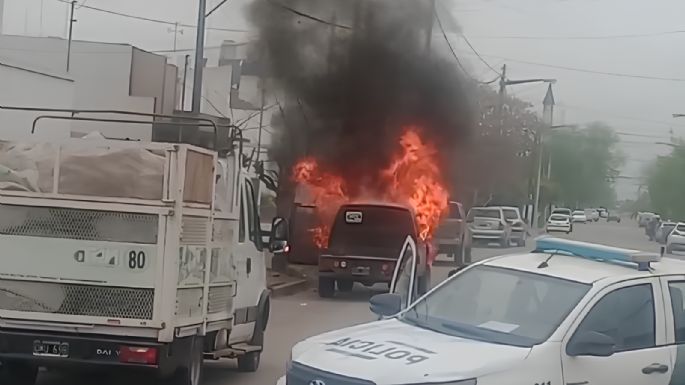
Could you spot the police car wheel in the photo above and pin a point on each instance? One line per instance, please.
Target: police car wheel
(345, 285)
(326, 287)
(249, 362)
(17, 373)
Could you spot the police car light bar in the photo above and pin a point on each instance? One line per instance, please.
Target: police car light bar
(596, 252)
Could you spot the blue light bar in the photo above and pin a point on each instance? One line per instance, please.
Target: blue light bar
(596, 252)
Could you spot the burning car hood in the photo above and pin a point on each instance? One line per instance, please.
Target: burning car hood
(391, 351)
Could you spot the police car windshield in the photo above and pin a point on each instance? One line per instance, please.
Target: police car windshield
(498, 305)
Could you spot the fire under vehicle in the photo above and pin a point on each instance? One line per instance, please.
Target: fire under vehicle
(364, 245)
(130, 255)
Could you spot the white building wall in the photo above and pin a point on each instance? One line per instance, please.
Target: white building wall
(22, 87)
(107, 77)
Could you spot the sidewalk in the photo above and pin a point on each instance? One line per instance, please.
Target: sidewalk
(292, 281)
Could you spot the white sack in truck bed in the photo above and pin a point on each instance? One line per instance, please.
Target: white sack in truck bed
(87, 167)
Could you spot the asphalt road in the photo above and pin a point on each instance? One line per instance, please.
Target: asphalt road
(302, 315)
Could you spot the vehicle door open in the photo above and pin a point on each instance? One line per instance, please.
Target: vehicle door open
(403, 287)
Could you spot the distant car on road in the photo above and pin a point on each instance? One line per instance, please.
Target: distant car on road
(562, 211)
(603, 213)
(559, 223)
(613, 217)
(592, 215)
(663, 231)
(488, 224)
(578, 217)
(676, 240)
(518, 226)
(643, 218)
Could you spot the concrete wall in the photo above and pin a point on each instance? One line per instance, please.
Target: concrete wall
(24, 87)
(148, 77)
(107, 76)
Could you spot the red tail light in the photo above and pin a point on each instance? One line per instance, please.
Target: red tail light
(138, 355)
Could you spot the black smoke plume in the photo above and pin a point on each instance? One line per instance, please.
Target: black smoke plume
(356, 72)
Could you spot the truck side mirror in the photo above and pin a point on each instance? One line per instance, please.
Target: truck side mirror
(278, 241)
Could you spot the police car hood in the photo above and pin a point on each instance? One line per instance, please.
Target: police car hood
(390, 351)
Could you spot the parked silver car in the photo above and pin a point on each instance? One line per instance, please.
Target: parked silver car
(488, 224)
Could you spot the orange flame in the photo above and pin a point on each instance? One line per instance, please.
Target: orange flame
(413, 178)
(328, 191)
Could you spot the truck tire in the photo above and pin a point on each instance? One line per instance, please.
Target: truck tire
(249, 362)
(326, 287)
(190, 371)
(345, 285)
(18, 373)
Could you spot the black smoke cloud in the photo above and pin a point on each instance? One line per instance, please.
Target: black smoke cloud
(352, 88)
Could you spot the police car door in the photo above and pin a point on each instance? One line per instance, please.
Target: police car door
(619, 338)
(404, 282)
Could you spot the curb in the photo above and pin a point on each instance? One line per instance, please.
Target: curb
(288, 288)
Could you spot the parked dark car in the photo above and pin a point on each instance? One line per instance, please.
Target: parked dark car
(365, 243)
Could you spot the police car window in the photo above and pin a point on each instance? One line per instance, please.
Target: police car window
(677, 292)
(499, 305)
(626, 315)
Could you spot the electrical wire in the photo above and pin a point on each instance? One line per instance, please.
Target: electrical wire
(151, 20)
(454, 53)
(583, 70)
(589, 37)
(308, 16)
(478, 55)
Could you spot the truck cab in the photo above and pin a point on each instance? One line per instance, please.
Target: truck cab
(364, 245)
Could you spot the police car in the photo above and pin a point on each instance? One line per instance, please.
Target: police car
(568, 313)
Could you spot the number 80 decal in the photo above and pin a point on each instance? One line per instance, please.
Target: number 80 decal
(136, 260)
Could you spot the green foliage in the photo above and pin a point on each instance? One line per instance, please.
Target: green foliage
(585, 164)
(666, 182)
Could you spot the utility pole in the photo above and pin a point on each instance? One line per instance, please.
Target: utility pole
(199, 57)
(548, 117)
(176, 30)
(429, 28)
(185, 81)
(71, 33)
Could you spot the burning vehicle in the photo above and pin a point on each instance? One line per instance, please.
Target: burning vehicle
(365, 242)
(361, 242)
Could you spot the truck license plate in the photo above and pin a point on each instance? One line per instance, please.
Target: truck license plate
(50, 349)
(361, 270)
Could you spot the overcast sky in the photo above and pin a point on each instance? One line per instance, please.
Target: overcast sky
(515, 32)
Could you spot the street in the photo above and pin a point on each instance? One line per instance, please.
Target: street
(302, 315)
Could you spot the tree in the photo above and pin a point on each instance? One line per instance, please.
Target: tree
(585, 164)
(666, 183)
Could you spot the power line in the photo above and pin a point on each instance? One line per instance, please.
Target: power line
(620, 116)
(477, 54)
(307, 16)
(589, 37)
(150, 20)
(596, 72)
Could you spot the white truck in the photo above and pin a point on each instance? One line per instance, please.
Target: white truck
(129, 255)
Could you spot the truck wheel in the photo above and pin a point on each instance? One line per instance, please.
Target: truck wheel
(249, 362)
(18, 373)
(345, 285)
(326, 287)
(190, 372)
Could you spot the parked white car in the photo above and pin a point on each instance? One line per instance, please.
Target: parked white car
(676, 240)
(559, 223)
(579, 216)
(592, 215)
